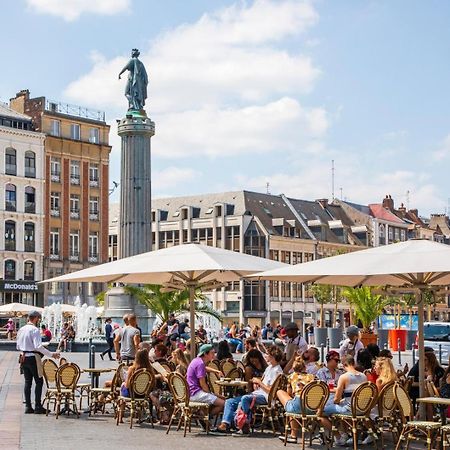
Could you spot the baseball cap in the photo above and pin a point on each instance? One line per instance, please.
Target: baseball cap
(291, 326)
(352, 330)
(205, 348)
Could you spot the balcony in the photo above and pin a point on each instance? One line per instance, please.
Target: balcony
(74, 256)
(55, 176)
(93, 258)
(55, 212)
(30, 207)
(54, 257)
(93, 183)
(75, 179)
(93, 215)
(75, 214)
(74, 110)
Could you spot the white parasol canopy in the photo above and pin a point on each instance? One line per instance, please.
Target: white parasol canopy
(188, 266)
(18, 309)
(414, 265)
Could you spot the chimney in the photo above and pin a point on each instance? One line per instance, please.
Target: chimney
(415, 212)
(402, 208)
(323, 202)
(17, 103)
(388, 203)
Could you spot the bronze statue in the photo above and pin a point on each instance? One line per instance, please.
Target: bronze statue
(136, 88)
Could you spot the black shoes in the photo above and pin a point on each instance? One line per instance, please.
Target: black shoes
(40, 410)
(101, 356)
(29, 410)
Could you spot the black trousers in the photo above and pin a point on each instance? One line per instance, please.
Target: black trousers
(110, 343)
(30, 371)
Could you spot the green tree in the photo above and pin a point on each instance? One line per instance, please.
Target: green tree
(367, 306)
(323, 294)
(163, 304)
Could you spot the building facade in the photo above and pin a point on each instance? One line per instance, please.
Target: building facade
(269, 226)
(76, 190)
(22, 173)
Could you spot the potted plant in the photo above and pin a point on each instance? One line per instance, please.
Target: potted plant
(322, 294)
(335, 333)
(367, 308)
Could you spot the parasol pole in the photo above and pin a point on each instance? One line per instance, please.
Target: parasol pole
(420, 312)
(192, 319)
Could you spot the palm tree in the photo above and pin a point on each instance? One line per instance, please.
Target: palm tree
(163, 304)
(367, 306)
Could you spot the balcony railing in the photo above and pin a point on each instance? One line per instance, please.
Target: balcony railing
(55, 212)
(93, 183)
(30, 207)
(75, 179)
(29, 246)
(54, 256)
(93, 258)
(74, 256)
(75, 214)
(11, 206)
(10, 169)
(55, 176)
(93, 215)
(10, 244)
(73, 110)
(30, 172)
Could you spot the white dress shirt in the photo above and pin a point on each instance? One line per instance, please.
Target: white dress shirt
(29, 340)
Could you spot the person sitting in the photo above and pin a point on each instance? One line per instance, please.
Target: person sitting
(184, 330)
(365, 364)
(259, 395)
(250, 344)
(224, 352)
(141, 361)
(290, 399)
(267, 332)
(196, 379)
(180, 361)
(254, 367)
(347, 383)
(201, 334)
(385, 372)
(63, 338)
(46, 334)
(311, 358)
(232, 337)
(330, 373)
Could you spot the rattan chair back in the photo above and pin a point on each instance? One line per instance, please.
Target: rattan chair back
(141, 383)
(179, 388)
(226, 366)
(363, 399)
(314, 396)
(403, 402)
(274, 388)
(408, 383)
(213, 386)
(49, 368)
(120, 374)
(431, 389)
(62, 361)
(215, 364)
(235, 373)
(67, 376)
(167, 367)
(241, 366)
(386, 400)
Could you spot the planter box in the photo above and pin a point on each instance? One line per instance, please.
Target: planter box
(335, 336)
(411, 339)
(368, 338)
(320, 336)
(382, 338)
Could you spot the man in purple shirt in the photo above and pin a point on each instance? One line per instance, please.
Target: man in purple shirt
(196, 379)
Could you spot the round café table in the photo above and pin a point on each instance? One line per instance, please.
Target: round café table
(95, 374)
(231, 386)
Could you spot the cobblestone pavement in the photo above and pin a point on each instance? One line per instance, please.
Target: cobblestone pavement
(20, 431)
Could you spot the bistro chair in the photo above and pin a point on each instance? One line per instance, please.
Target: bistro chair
(63, 361)
(215, 364)
(67, 377)
(362, 400)
(212, 377)
(413, 429)
(50, 368)
(387, 412)
(241, 366)
(185, 409)
(141, 383)
(273, 410)
(100, 397)
(313, 398)
(226, 366)
(235, 373)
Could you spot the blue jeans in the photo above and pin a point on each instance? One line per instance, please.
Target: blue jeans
(231, 405)
(238, 343)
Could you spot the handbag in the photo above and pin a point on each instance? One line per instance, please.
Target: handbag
(242, 419)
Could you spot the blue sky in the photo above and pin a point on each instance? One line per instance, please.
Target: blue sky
(245, 93)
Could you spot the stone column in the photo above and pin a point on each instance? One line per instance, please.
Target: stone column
(135, 233)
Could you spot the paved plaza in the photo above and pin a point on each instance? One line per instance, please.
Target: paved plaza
(21, 431)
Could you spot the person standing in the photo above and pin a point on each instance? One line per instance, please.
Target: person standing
(128, 340)
(352, 345)
(295, 345)
(109, 335)
(10, 329)
(29, 343)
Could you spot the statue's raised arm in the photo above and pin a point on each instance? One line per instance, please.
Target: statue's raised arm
(136, 88)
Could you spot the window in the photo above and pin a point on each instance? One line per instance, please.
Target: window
(28, 270)
(74, 172)
(10, 161)
(55, 128)
(74, 206)
(54, 243)
(93, 208)
(391, 234)
(94, 135)
(93, 175)
(29, 237)
(93, 247)
(10, 197)
(30, 200)
(55, 169)
(75, 131)
(402, 235)
(74, 245)
(10, 235)
(30, 164)
(54, 204)
(10, 269)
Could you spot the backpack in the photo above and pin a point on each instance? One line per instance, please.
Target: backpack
(242, 419)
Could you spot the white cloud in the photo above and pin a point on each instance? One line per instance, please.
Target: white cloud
(443, 152)
(170, 177)
(223, 84)
(71, 10)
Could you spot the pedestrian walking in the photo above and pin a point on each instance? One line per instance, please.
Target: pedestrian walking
(109, 335)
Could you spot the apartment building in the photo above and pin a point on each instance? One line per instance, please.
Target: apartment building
(76, 189)
(21, 208)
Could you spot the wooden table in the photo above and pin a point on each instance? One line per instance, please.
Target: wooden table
(437, 401)
(95, 374)
(232, 385)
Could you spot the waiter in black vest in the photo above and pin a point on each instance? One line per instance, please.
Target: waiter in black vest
(29, 343)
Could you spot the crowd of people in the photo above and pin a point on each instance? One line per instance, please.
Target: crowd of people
(343, 369)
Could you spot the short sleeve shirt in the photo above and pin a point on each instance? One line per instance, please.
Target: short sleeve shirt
(127, 347)
(195, 371)
(270, 375)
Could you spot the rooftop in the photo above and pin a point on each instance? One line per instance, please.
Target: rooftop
(6, 111)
